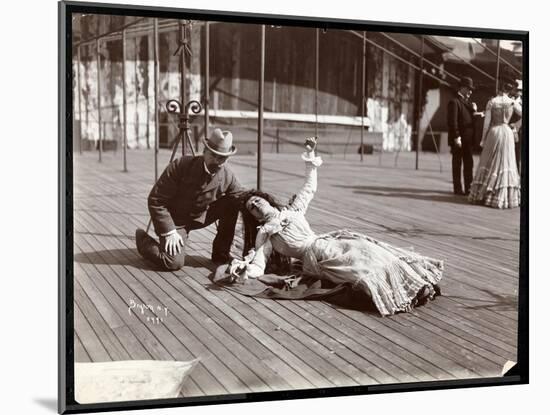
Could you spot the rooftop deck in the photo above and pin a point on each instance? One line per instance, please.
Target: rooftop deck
(249, 345)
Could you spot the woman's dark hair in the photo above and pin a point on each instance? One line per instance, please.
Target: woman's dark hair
(276, 263)
(507, 85)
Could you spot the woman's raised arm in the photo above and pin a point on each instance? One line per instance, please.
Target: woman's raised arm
(306, 193)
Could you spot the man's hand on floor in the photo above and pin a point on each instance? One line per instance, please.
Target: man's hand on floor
(174, 243)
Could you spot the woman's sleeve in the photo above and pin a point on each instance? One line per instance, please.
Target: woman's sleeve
(486, 122)
(306, 193)
(257, 266)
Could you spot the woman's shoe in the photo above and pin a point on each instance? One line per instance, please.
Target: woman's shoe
(423, 296)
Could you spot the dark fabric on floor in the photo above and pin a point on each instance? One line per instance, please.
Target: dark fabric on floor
(296, 287)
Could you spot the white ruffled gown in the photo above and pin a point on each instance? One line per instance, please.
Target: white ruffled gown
(391, 276)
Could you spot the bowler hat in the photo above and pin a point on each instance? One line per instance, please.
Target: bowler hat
(467, 82)
(221, 143)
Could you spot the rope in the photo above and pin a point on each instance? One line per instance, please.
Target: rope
(389, 52)
(456, 78)
(449, 50)
(501, 58)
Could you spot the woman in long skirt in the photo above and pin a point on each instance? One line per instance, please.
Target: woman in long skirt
(497, 182)
(395, 279)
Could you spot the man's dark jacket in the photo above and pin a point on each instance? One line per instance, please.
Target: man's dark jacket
(184, 191)
(460, 120)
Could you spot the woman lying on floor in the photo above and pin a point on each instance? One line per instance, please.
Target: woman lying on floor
(394, 279)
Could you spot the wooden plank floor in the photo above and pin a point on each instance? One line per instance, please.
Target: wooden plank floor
(247, 344)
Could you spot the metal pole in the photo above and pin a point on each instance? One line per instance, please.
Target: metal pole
(450, 50)
(183, 49)
(316, 78)
(261, 105)
(419, 100)
(274, 95)
(364, 65)
(436, 147)
(412, 52)
(100, 144)
(498, 66)
(136, 89)
(156, 91)
(87, 101)
(516, 70)
(124, 104)
(196, 136)
(399, 58)
(206, 80)
(78, 60)
(91, 40)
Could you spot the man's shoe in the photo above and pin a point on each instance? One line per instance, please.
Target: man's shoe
(142, 241)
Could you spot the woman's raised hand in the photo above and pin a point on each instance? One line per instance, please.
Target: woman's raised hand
(310, 144)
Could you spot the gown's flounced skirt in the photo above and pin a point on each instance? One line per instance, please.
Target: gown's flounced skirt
(392, 277)
(497, 183)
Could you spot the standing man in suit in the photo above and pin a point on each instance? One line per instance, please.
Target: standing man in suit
(460, 121)
(192, 193)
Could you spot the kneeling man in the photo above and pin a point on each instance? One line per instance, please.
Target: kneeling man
(192, 193)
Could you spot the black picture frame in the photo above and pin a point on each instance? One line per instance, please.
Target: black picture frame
(66, 403)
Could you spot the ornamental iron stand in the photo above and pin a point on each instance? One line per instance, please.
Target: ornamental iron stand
(174, 107)
(183, 50)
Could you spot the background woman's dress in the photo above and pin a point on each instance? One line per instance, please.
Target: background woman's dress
(497, 182)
